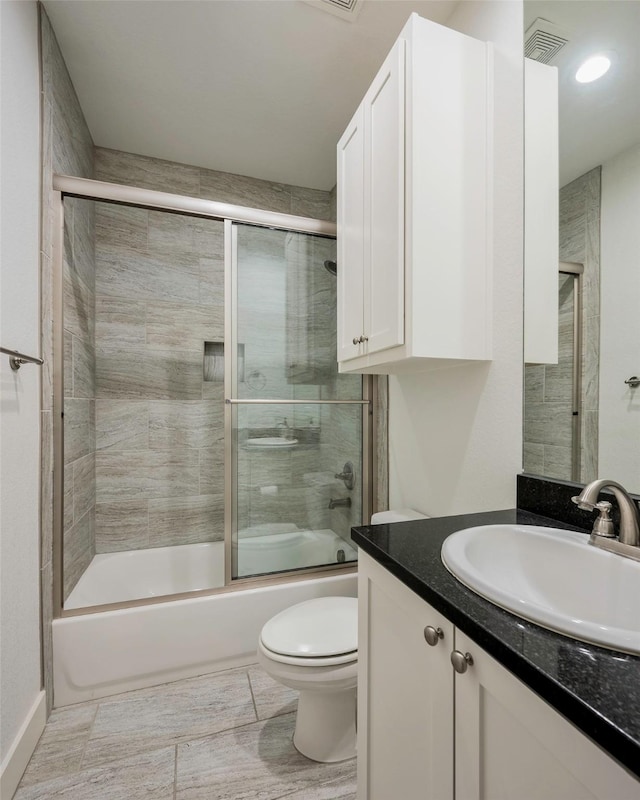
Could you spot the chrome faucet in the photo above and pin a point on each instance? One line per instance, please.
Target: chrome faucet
(603, 535)
(285, 432)
(344, 502)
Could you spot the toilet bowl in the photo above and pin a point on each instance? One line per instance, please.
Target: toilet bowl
(312, 647)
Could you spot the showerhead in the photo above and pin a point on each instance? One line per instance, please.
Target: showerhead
(331, 267)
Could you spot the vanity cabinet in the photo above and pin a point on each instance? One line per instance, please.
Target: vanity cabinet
(426, 732)
(405, 692)
(414, 267)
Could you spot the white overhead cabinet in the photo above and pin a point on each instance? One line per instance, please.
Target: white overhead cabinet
(426, 730)
(414, 266)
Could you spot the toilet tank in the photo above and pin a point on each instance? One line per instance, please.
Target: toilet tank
(397, 515)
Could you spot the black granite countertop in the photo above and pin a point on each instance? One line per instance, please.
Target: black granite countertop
(597, 689)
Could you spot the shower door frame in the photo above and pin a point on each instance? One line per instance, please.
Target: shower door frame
(101, 191)
(576, 271)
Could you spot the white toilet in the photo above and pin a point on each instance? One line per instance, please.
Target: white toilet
(313, 647)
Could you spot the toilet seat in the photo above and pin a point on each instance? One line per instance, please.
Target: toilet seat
(322, 631)
(306, 661)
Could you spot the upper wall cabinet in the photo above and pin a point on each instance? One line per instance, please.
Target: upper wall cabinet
(414, 210)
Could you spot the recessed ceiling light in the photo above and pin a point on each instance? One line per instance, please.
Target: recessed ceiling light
(593, 68)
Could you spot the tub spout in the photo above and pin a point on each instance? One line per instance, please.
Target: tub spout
(345, 502)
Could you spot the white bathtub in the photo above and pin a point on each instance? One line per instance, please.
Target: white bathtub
(158, 571)
(275, 552)
(136, 574)
(104, 653)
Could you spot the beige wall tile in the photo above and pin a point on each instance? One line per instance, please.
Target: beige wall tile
(147, 173)
(122, 424)
(186, 520)
(146, 475)
(122, 525)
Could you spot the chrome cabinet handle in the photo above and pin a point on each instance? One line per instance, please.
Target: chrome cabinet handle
(356, 340)
(461, 661)
(364, 338)
(433, 635)
(633, 381)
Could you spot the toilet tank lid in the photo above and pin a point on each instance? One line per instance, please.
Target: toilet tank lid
(398, 515)
(324, 626)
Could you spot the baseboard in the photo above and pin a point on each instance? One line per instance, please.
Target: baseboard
(22, 748)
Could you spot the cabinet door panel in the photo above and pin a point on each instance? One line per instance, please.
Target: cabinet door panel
(384, 209)
(510, 744)
(351, 229)
(405, 695)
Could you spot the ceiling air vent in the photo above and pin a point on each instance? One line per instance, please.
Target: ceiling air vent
(543, 40)
(345, 9)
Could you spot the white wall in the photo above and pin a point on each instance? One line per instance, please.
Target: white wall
(619, 419)
(20, 391)
(456, 435)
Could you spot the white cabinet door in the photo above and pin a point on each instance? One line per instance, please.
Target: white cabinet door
(511, 745)
(384, 109)
(405, 693)
(351, 235)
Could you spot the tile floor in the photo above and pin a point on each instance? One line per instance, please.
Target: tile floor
(225, 736)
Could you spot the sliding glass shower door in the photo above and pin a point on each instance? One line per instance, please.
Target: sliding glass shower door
(296, 429)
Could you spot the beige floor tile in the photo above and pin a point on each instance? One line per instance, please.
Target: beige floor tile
(59, 751)
(271, 698)
(342, 788)
(152, 718)
(149, 776)
(256, 762)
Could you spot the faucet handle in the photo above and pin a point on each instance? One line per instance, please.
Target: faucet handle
(603, 526)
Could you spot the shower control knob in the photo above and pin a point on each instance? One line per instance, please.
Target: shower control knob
(433, 635)
(461, 661)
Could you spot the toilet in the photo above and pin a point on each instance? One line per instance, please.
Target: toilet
(312, 647)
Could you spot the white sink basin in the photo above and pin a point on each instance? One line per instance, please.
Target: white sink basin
(272, 441)
(552, 577)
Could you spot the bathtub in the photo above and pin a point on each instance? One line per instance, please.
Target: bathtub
(108, 652)
(257, 552)
(136, 574)
(159, 571)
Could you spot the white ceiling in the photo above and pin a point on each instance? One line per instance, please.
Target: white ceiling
(255, 87)
(600, 119)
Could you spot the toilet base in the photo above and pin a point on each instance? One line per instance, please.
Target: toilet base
(326, 725)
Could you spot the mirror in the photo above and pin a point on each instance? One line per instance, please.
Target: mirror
(582, 415)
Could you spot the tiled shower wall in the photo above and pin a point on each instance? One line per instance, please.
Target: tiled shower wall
(159, 425)
(159, 297)
(67, 147)
(547, 418)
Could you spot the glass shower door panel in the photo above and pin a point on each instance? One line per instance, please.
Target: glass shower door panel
(286, 317)
(292, 510)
